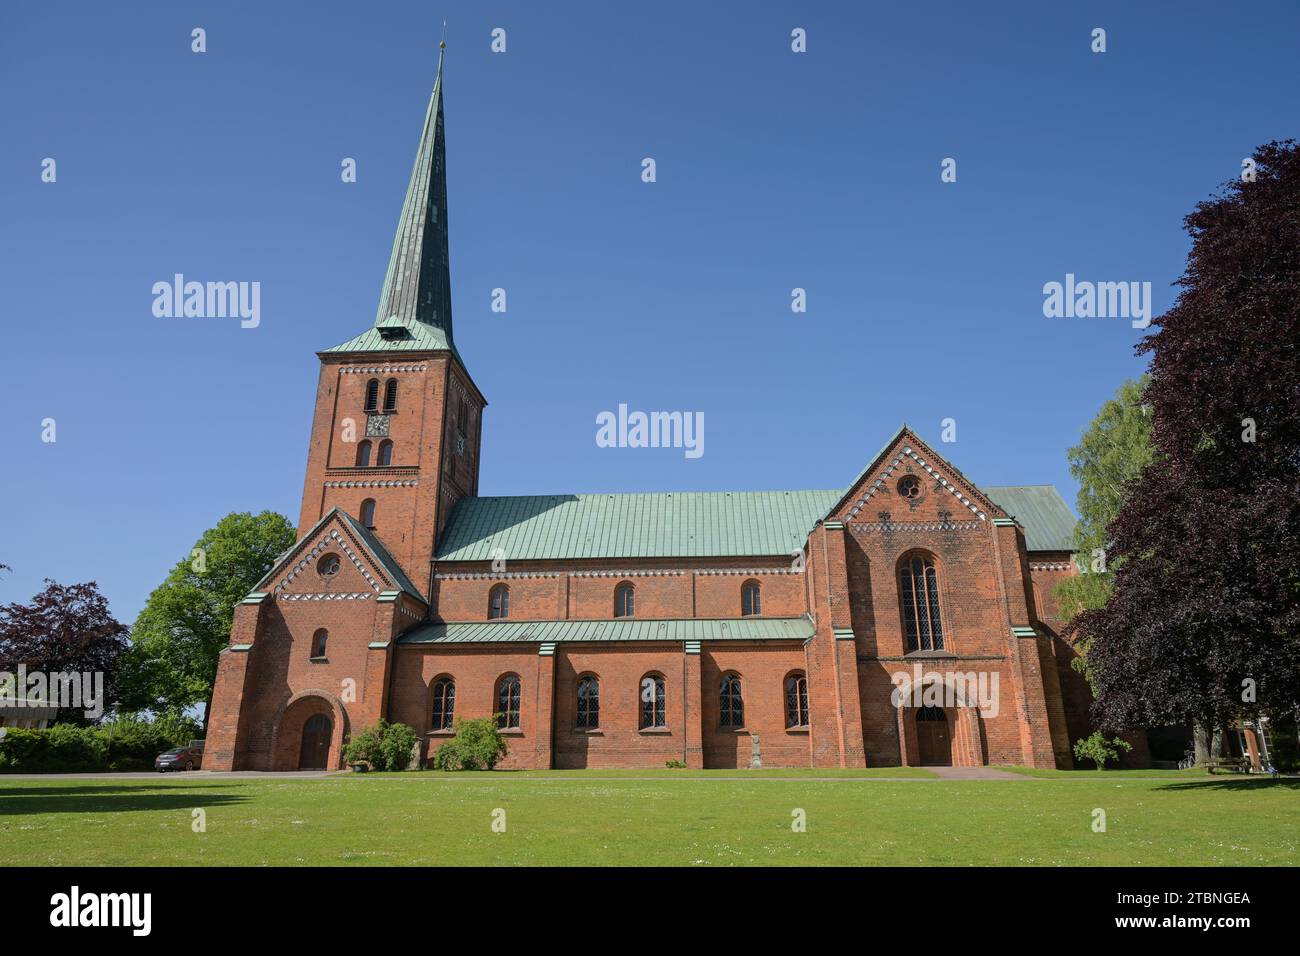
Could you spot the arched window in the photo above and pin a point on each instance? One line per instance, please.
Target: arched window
(731, 705)
(654, 710)
(385, 453)
(751, 598)
(588, 703)
(918, 584)
(372, 395)
(508, 696)
(444, 704)
(796, 700)
(390, 395)
(368, 513)
(624, 600)
(498, 602)
(363, 454)
(318, 642)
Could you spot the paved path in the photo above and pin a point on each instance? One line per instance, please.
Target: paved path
(975, 773)
(938, 774)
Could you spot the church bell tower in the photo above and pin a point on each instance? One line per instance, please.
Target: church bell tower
(396, 434)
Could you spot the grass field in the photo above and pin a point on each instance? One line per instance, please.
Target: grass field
(652, 817)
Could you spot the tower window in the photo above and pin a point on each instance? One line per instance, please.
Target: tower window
(385, 453)
(390, 395)
(624, 600)
(751, 599)
(328, 566)
(499, 602)
(318, 642)
(909, 486)
(363, 454)
(372, 395)
(368, 513)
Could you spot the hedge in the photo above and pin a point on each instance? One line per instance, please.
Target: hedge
(125, 744)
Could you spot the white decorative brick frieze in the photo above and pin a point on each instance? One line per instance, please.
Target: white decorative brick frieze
(382, 369)
(639, 573)
(331, 539)
(496, 575)
(894, 465)
(409, 483)
(904, 527)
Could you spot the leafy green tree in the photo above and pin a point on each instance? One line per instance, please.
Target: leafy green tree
(186, 622)
(1110, 456)
(1099, 750)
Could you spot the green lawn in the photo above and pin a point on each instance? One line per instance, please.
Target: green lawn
(1193, 775)
(687, 818)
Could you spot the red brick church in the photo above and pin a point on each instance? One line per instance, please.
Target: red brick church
(906, 618)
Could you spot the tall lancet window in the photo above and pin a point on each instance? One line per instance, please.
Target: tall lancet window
(918, 585)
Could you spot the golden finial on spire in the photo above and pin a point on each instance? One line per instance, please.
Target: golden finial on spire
(442, 44)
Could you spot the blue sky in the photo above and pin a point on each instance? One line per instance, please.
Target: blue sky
(775, 170)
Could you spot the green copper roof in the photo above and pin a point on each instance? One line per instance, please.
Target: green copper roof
(689, 524)
(1040, 509)
(495, 632)
(676, 524)
(400, 337)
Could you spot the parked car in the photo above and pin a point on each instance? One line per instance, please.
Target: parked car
(189, 757)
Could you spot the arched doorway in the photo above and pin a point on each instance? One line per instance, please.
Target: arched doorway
(316, 734)
(933, 737)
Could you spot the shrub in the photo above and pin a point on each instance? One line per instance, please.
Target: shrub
(21, 749)
(384, 746)
(82, 748)
(478, 745)
(675, 764)
(1099, 750)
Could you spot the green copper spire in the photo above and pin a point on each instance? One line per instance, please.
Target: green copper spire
(417, 287)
